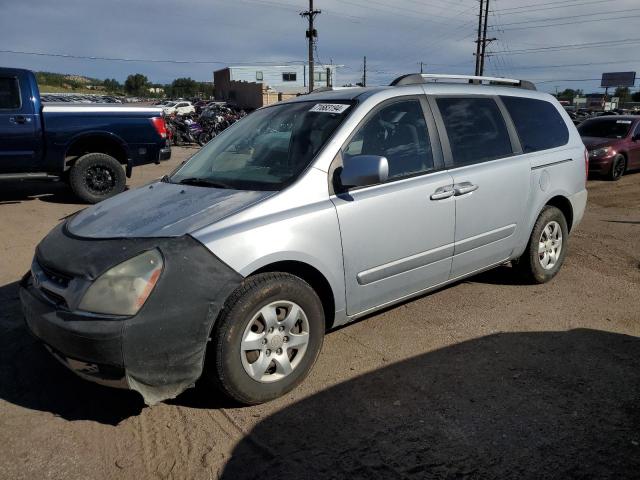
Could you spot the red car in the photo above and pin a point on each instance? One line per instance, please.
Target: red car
(613, 143)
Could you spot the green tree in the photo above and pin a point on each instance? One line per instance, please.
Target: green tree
(136, 84)
(112, 85)
(623, 93)
(569, 94)
(183, 87)
(636, 97)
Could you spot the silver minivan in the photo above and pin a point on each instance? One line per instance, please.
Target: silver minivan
(302, 217)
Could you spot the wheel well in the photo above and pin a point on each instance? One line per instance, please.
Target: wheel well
(314, 278)
(95, 144)
(564, 205)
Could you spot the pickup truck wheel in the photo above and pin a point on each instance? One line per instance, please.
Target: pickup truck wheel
(97, 176)
(266, 339)
(547, 247)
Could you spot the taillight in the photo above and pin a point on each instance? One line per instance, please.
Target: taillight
(586, 166)
(160, 126)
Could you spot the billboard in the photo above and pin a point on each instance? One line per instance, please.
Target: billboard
(618, 79)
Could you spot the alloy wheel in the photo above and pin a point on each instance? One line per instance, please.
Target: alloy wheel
(550, 245)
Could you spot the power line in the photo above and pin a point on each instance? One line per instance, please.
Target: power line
(573, 46)
(532, 10)
(145, 60)
(558, 4)
(532, 20)
(573, 23)
(588, 64)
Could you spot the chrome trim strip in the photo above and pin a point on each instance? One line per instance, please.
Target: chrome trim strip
(537, 167)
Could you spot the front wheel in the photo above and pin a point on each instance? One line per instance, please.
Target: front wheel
(547, 247)
(618, 167)
(266, 339)
(97, 176)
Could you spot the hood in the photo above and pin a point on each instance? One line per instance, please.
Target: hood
(597, 142)
(161, 210)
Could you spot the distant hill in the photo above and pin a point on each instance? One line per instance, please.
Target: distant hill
(62, 82)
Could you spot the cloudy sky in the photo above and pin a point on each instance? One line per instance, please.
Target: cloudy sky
(554, 43)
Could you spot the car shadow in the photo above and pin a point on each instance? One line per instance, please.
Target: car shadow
(511, 405)
(32, 378)
(630, 222)
(501, 275)
(46, 191)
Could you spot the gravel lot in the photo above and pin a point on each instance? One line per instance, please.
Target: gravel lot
(485, 379)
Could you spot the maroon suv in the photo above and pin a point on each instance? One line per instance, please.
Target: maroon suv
(613, 143)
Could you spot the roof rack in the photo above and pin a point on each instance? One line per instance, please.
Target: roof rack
(418, 78)
(329, 89)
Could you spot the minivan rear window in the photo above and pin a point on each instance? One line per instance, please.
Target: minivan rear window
(538, 123)
(9, 93)
(476, 130)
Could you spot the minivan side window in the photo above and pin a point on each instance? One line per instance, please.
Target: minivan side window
(538, 123)
(398, 132)
(476, 130)
(9, 93)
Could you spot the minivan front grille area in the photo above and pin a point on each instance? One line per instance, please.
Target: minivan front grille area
(51, 283)
(60, 279)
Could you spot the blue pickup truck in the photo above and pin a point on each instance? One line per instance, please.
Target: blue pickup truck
(91, 147)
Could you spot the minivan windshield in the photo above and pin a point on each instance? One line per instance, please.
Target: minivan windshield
(266, 150)
(605, 128)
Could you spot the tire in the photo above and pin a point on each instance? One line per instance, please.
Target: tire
(241, 325)
(531, 265)
(618, 167)
(204, 138)
(97, 176)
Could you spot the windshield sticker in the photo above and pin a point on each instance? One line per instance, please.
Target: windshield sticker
(628, 122)
(329, 108)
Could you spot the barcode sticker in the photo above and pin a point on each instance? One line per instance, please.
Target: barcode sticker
(628, 122)
(329, 108)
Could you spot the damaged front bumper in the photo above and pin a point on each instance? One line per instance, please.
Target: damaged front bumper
(160, 351)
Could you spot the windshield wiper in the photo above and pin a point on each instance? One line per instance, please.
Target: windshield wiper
(204, 182)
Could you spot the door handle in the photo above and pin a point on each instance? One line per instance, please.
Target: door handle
(443, 192)
(464, 187)
(21, 119)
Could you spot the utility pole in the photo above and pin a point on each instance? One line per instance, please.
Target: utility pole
(311, 34)
(479, 39)
(484, 36)
(364, 72)
(421, 67)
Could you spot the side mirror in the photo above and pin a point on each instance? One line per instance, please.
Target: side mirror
(363, 170)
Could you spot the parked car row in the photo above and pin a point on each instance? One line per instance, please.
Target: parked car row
(79, 98)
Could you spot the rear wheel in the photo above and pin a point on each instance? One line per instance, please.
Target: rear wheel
(204, 138)
(97, 176)
(547, 247)
(267, 338)
(618, 167)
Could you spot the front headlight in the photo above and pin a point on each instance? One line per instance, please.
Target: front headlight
(599, 152)
(123, 289)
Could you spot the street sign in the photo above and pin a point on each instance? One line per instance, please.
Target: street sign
(618, 79)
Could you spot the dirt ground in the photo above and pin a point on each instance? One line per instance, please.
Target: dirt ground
(485, 379)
